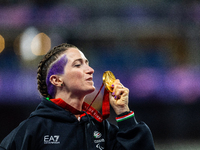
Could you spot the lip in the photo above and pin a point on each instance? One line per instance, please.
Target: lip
(89, 79)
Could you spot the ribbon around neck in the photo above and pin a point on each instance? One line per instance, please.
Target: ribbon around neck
(105, 103)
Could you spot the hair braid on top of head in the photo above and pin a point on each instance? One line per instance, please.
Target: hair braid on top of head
(45, 63)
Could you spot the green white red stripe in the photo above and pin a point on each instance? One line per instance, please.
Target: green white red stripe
(131, 114)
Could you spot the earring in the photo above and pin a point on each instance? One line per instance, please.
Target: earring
(61, 84)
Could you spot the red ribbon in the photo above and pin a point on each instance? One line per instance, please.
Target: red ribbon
(105, 103)
(88, 108)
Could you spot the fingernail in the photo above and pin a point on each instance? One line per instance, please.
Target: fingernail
(112, 85)
(113, 93)
(115, 97)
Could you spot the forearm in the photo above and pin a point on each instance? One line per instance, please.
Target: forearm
(133, 135)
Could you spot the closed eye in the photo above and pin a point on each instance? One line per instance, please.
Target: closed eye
(79, 62)
(77, 65)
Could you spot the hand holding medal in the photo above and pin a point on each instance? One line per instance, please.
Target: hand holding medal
(115, 94)
(118, 93)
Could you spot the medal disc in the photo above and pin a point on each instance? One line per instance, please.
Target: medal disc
(108, 79)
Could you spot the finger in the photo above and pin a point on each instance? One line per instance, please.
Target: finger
(122, 93)
(118, 93)
(117, 84)
(118, 90)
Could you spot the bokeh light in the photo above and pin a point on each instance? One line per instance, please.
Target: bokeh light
(2, 43)
(31, 44)
(25, 43)
(40, 44)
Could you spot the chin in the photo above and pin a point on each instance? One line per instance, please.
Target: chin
(91, 90)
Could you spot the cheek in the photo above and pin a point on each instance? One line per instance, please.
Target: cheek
(74, 78)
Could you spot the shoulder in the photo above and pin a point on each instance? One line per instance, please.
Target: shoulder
(28, 126)
(31, 127)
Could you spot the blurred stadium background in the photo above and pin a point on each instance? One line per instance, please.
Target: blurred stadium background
(151, 46)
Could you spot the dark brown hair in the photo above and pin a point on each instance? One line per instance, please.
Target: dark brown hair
(44, 65)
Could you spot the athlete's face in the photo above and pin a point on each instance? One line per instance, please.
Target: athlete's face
(78, 75)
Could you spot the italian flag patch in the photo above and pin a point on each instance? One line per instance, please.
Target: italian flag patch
(131, 114)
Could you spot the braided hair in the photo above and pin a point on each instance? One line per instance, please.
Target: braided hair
(44, 65)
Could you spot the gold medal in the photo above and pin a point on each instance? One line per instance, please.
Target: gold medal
(108, 79)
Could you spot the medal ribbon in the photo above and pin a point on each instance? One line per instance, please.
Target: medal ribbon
(105, 103)
(88, 108)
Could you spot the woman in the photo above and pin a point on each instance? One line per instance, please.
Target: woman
(61, 121)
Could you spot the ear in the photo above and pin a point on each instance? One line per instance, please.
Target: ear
(55, 80)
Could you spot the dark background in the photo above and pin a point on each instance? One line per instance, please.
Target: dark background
(151, 46)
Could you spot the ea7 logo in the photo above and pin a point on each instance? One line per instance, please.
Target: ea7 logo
(53, 139)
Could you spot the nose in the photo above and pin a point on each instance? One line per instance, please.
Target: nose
(90, 70)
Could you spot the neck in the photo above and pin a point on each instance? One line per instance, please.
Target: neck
(74, 101)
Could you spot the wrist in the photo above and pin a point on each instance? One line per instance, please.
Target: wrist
(119, 111)
(124, 116)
